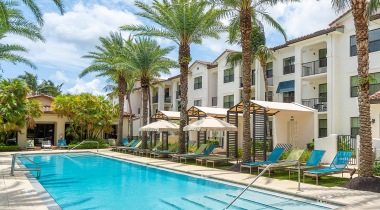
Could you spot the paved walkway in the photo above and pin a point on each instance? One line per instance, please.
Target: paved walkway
(16, 192)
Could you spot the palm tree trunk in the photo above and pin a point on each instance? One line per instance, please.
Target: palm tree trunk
(130, 115)
(245, 29)
(264, 67)
(361, 28)
(145, 90)
(121, 93)
(184, 58)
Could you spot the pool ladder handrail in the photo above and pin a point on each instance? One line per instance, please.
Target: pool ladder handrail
(261, 173)
(13, 169)
(97, 149)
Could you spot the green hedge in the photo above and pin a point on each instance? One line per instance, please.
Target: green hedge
(9, 148)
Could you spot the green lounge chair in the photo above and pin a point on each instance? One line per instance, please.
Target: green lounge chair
(205, 153)
(292, 159)
(212, 159)
(199, 151)
(173, 149)
(141, 152)
(312, 163)
(273, 157)
(136, 146)
(118, 148)
(337, 166)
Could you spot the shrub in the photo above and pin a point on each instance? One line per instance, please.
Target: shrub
(213, 141)
(305, 155)
(89, 145)
(9, 148)
(284, 155)
(376, 169)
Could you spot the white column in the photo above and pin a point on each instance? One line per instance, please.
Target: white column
(297, 75)
(161, 98)
(173, 94)
(259, 82)
(332, 87)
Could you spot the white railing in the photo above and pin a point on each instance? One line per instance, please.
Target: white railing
(13, 169)
(97, 149)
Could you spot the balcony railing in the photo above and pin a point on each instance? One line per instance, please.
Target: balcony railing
(314, 67)
(252, 81)
(319, 104)
(155, 99)
(214, 101)
(288, 99)
(177, 94)
(270, 81)
(289, 69)
(168, 99)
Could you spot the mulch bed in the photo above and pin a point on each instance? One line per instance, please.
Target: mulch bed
(371, 184)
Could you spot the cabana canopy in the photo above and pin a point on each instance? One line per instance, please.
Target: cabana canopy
(198, 111)
(166, 115)
(210, 124)
(161, 125)
(271, 107)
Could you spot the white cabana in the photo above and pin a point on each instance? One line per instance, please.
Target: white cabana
(166, 115)
(161, 125)
(210, 124)
(199, 111)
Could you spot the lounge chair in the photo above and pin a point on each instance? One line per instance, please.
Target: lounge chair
(141, 152)
(207, 151)
(125, 141)
(62, 144)
(273, 157)
(46, 144)
(130, 144)
(337, 166)
(202, 148)
(30, 144)
(291, 160)
(312, 163)
(173, 149)
(135, 147)
(212, 159)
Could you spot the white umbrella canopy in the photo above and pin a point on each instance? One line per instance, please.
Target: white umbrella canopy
(210, 124)
(161, 125)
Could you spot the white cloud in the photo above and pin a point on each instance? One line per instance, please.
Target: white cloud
(94, 86)
(60, 76)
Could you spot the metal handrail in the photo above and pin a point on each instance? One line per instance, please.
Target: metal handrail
(13, 169)
(97, 149)
(246, 188)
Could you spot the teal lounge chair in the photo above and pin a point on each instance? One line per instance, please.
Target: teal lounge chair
(312, 163)
(173, 149)
(125, 141)
(337, 166)
(62, 144)
(118, 148)
(136, 145)
(141, 152)
(273, 157)
(205, 153)
(292, 159)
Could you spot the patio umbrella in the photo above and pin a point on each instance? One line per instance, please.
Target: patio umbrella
(210, 124)
(161, 125)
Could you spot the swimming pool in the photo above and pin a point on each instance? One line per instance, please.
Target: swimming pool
(90, 181)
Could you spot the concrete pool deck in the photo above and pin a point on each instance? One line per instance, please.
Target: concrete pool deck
(17, 192)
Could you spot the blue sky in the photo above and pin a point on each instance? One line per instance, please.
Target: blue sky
(72, 35)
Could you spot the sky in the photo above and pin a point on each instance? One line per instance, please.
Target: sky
(74, 34)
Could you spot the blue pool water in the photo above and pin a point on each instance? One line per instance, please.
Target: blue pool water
(90, 181)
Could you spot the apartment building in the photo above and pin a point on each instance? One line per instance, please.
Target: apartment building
(318, 70)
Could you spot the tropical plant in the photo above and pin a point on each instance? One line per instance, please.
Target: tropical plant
(263, 55)
(46, 87)
(32, 82)
(148, 60)
(16, 111)
(110, 61)
(184, 22)
(87, 114)
(243, 13)
(361, 11)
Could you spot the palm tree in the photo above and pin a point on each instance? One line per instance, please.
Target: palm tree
(110, 61)
(263, 55)
(148, 60)
(32, 82)
(184, 22)
(361, 14)
(243, 13)
(48, 87)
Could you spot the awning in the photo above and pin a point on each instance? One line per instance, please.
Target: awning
(286, 86)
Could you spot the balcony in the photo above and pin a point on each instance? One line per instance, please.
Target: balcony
(252, 81)
(177, 94)
(270, 81)
(319, 104)
(289, 69)
(214, 101)
(155, 99)
(314, 67)
(168, 99)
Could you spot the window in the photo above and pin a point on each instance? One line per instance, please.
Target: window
(373, 42)
(323, 92)
(228, 101)
(322, 128)
(322, 53)
(374, 84)
(198, 102)
(229, 75)
(270, 95)
(288, 97)
(138, 110)
(289, 65)
(354, 126)
(197, 82)
(112, 134)
(167, 92)
(253, 77)
(270, 70)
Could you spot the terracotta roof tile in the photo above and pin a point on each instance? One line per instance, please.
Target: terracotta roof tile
(202, 62)
(226, 50)
(375, 96)
(40, 96)
(340, 17)
(309, 36)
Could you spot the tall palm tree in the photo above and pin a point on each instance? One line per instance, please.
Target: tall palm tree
(263, 55)
(148, 60)
(48, 87)
(110, 61)
(361, 13)
(184, 22)
(32, 81)
(243, 13)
